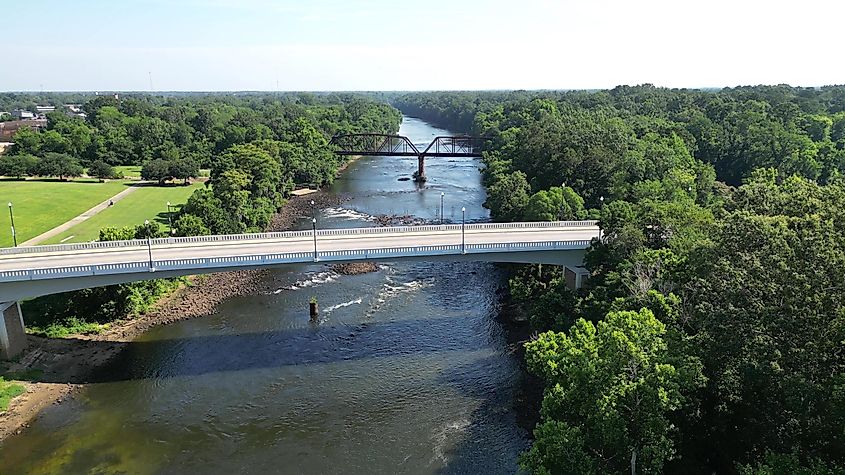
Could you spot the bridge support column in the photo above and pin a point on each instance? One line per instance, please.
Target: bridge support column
(12, 334)
(419, 176)
(576, 277)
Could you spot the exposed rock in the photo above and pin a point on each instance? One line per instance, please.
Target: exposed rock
(355, 268)
(399, 220)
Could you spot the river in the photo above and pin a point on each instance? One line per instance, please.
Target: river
(407, 370)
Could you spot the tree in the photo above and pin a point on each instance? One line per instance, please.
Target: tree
(117, 234)
(101, 170)
(768, 301)
(611, 391)
(190, 225)
(17, 166)
(555, 204)
(508, 196)
(58, 164)
(149, 230)
(157, 170)
(27, 142)
(209, 208)
(184, 169)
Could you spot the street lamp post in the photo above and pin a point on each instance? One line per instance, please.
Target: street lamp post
(12, 219)
(314, 227)
(441, 206)
(149, 244)
(169, 218)
(313, 214)
(463, 229)
(601, 200)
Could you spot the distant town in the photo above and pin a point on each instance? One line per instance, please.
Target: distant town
(12, 121)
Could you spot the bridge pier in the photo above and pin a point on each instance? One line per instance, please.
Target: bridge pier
(575, 277)
(12, 334)
(419, 176)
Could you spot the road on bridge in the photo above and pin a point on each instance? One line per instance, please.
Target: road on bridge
(347, 240)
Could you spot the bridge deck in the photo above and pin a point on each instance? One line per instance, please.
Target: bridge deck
(181, 256)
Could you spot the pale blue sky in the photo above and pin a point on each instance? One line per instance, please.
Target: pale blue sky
(410, 45)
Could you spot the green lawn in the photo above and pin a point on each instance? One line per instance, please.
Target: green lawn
(9, 391)
(42, 205)
(147, 202)
(134, 171)
(129, 171)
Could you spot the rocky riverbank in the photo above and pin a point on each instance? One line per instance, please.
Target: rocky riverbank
(52, 368)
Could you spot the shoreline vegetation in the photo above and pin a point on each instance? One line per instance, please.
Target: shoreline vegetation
(708, 336)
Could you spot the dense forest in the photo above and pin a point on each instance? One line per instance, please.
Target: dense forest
(257, 147)
(710, 336)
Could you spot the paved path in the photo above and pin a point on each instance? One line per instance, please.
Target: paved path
(82, 217)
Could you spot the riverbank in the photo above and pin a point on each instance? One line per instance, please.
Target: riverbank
(528, 398)
(51, 369)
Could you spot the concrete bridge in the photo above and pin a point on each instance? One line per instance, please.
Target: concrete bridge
(27, 272)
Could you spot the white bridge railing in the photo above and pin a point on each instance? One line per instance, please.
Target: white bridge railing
(291, 235)
(272, 259)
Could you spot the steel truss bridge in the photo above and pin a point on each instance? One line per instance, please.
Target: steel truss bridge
(370, 144)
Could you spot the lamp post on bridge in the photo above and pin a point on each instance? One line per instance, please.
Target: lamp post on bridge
(12, 219)
(314, 227)
(463, 229)
(149, 244)
(441, 206)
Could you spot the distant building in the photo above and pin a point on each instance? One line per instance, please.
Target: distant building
(76, 110)
(5, 146)
(45, 109)
(8, 129)
(21, 114)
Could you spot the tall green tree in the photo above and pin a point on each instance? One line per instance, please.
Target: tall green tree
(612, 388)
(58, 165)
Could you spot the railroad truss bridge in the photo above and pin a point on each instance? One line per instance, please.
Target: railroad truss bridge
(370, 144)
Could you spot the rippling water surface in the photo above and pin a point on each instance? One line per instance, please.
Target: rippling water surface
(407, 370)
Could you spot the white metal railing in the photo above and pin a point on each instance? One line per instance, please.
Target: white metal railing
(290, 235)
(282, 258)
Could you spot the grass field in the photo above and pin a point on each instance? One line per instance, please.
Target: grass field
(42, 205)
(147, 202)
(129, 171)
(134, 171)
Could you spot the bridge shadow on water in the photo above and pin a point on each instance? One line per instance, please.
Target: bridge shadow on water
(314, 345)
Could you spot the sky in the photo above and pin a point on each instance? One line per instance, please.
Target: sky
(322, 45)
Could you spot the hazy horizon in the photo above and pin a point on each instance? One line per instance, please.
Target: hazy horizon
(371, 91)
(379, 45)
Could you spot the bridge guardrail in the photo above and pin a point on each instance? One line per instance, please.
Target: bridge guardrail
(282, 258)
(222, 238)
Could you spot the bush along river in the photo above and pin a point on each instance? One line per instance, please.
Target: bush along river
(406, 370)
